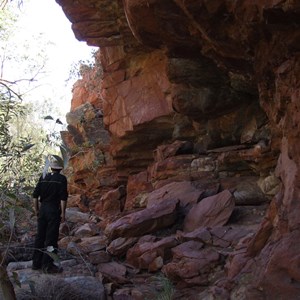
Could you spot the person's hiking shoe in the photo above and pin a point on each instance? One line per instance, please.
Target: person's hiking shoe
(52, 269)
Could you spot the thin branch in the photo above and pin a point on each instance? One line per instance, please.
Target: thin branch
(15, 81)
(28, 91)
(3, 4)
(11, 91)
(12, 229)
(33, 78)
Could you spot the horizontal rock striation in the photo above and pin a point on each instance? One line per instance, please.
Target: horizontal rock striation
(198, 95)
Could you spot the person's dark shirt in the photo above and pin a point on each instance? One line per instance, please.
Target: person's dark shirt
(52, 189)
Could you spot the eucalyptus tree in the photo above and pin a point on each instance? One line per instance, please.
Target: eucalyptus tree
(23, 138)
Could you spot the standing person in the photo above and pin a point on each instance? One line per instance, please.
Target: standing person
(49, 203)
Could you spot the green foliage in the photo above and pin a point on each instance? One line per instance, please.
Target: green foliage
(78, 69)
(21, 139)
(4, 3)
(20, 150)
(84, 67)
(24, 141)
(7, 21)
(25, 138)
(19, 53)
(167, 289)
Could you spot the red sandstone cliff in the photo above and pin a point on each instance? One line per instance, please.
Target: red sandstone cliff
(205, 92)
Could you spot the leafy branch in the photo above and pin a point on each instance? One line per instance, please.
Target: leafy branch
(4, 3)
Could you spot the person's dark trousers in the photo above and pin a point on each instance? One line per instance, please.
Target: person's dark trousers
(47, 235)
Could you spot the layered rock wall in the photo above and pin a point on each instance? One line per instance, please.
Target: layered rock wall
(199, 91)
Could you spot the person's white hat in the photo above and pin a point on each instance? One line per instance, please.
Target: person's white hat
(54, 164)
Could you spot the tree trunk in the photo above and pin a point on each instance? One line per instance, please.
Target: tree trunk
(7, 287)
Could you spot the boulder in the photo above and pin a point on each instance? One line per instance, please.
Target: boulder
(54, 287)
(86, 287)
(269, 185)
(145, 221)
(120, 245)
(210, 211)
(18, 265)
(98, 257)
(222, 236)
(85, 230)
(249, 193)
(111, 203)
(137, 184)
(74, 215)
(250, 190)
(191, 265)
(151, 255)
(184, 191)
(227, 236)
(201, 234)
(87, 245)
(113, 271)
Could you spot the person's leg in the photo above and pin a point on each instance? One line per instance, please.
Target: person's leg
(39, 242)
(51, 238)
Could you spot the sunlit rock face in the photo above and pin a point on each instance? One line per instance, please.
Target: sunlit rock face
(222, 75)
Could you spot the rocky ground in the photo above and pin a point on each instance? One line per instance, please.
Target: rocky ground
(150, 253)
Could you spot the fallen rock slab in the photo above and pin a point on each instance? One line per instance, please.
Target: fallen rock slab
(184, 191)
(18, 265)
(191, 265)
(120, 245)
(111, 203)
(98, 257)
(145, 221)
(113, 271)
(226, 236)
(87, 245)
(87, 286)
(151, 255)
(221, 236)
(75, 216)
(209, 212)
(85, 230)
(54, 287)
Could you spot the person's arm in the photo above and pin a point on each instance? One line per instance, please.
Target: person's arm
(63, 205)
(36, 206)
(35, 198)
(63, 199)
